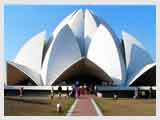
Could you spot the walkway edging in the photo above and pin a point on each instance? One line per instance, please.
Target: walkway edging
(72, 108)
(96, 108)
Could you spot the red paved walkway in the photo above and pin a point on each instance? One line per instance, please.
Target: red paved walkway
(84, 107)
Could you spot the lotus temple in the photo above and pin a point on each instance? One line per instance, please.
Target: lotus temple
(82, 47)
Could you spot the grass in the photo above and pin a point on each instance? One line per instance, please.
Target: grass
(127, 107)
(35, 106)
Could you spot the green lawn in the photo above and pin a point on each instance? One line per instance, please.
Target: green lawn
(35, 106)
(127, 107)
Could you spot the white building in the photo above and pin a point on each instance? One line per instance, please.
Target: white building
(82, 47)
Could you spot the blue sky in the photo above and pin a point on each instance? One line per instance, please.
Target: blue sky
(21, 22)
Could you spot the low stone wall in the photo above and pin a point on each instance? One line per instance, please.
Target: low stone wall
(127, 94)
(30, 92)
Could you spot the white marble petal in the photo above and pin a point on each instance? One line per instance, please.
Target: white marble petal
(30, 55)
(103, 52)
(30, 73)
(135, 54)
(64, 52)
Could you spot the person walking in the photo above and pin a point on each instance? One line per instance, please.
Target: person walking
(73, 91)
(77, 92)
(150, 92)
(59, 91)
(21, 92)
(67, 91)
(135, 93)
(85, 89)
(95, 90)
(52, 92)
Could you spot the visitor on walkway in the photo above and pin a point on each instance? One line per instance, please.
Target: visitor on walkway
(82, 90)
(115, 96)
(21, 92)
(67, 91)
(150, 92)
(135, 93)
(90, 90)
(77, 89)
(72, 94)
(59, 91)
(52, 92)
(85, 89)
(95, 90)
(77, 92)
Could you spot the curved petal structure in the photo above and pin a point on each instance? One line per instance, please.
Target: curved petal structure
(83, 46)
(57, 30)
(135, 54)
(103, 52)
(77, 21)
(30, 55)
(146, 76)
(61, 56)
(14, 75)
(62, 24)
(86, 70)
(20, 70)
(101, 21)
(90, 28)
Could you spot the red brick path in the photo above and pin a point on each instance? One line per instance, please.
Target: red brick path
(84, 107)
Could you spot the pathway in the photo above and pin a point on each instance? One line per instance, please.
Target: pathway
(84, 106)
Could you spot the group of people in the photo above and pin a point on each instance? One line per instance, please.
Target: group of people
(59, 91)
(78, 90)
(146, 94)
(75, 91)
